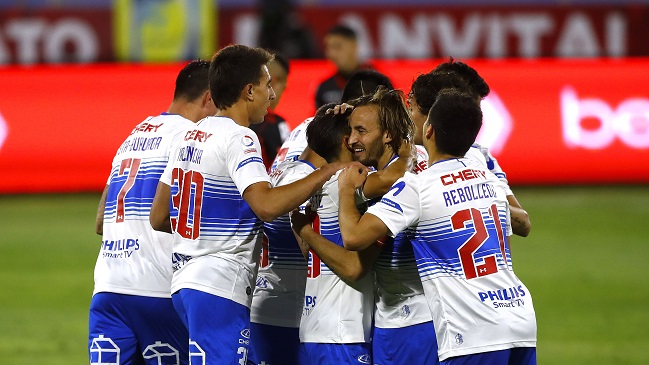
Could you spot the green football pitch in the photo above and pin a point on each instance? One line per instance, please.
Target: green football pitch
(586, 263)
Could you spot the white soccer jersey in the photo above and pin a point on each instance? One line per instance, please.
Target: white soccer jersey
(134, 259)
(279, 294)
(217, 236)
(400, 300)
(294, 145)
(459, 210)
(482, 154)
(334, 311)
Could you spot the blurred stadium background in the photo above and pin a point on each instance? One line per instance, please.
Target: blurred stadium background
(568, 120)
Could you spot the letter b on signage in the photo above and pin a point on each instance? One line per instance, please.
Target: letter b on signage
(629, 121)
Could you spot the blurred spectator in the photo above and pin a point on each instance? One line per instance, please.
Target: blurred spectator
(283, 30)
(341, 49)
(273, 131)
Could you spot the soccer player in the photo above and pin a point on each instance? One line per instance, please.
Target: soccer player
(341, 48)
(337, 280)
(220, 192)
(483, 313)
(131, 304)
(273, 131)
(520, 220)
(278, 297)
(360, 83)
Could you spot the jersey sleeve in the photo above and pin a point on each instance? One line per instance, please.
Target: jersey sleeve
(492, 165)
(399, 208)
(244, 161)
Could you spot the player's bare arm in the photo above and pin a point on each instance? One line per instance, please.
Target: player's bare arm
(159, 217)
(268, 203)
(379, 183)
(521, 225)
(99, 220)
(348, 265)
(358, 231)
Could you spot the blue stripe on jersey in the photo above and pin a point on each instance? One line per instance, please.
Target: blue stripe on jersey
(139, 197)
(249, 160)
(223, 211)
(283, 249)
(436, 246)
(397, 253)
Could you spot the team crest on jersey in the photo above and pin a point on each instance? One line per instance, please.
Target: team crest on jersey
(248, 144)
(458, 339)
(364, 359)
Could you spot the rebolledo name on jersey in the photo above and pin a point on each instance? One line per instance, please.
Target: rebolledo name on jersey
(119, 249)
(505, 297)
(468, 193)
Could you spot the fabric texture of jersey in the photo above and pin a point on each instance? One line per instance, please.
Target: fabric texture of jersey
(482, 154)
(129, 329)
(334, 311)
(294, 145)
(460, 210)
(134, 259)
(279, 294)
(217, 236)
(400, 300)
(336, 354)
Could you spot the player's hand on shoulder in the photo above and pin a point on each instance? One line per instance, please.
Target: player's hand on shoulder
(353, 176)
(301, 220)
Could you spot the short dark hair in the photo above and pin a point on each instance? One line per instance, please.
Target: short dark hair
(394, 117)
(456, 119)
(477, 84)
(231, 69)
(282, 60)
(343, 31)
(426, 87)
(192, 82)
(325, 132)
(364, 82)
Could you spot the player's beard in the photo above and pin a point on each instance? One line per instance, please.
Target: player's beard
(373, 153)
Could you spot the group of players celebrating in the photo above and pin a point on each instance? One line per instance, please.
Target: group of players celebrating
(379, 237)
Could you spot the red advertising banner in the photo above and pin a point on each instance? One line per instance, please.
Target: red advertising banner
(52, 35)
(546, 121)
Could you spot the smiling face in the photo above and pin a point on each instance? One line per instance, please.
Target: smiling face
(262, 96)
(367, 141)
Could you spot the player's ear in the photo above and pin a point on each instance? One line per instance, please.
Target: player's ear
(207, 98)
(248, 91)
(428, 130)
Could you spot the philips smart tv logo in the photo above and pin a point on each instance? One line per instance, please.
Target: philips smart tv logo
(119, 249)
(505, 297)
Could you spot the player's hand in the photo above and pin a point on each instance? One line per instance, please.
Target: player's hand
(340, 109)
(334, 167)
(301, 221)
(352, 177)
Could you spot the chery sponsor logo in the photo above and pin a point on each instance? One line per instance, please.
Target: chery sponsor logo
(628, 121)
(4, 130)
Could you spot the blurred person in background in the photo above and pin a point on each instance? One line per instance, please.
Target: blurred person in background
(274, 130)
(131, 303)
(340, 48)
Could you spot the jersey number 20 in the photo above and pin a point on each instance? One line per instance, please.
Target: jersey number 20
(188, 201)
